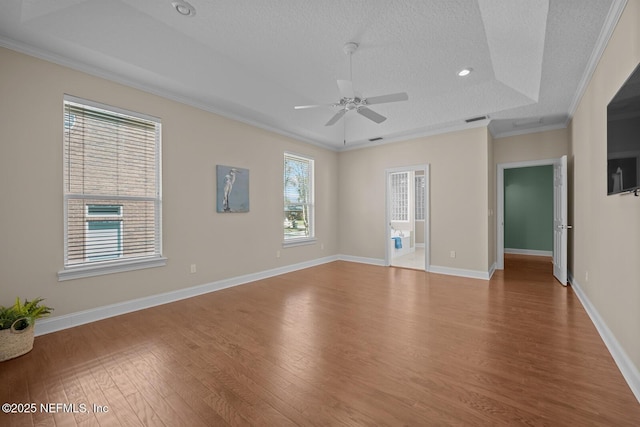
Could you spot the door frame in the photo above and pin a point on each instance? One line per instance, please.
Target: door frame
(427, 212)
(500, 201)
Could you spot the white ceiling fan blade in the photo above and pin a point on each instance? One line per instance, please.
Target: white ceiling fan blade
(302, 107)
(394, 97)
(336, 117)
(346, 89)
(371, 115)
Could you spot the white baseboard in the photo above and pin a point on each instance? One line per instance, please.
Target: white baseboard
(362, 260)
(629, 371)
(528, 252)
(492, 269)
(53, 324)
(473, 274)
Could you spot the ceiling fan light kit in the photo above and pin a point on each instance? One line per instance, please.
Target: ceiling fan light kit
(349, 100)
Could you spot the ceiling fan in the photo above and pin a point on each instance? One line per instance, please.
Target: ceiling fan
(349, 100)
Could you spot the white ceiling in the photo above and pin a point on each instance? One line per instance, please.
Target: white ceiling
(254, 60)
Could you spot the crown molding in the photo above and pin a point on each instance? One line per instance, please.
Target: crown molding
(116, 78)
(615, 12)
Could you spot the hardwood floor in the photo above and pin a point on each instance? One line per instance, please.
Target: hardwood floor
(338, 344)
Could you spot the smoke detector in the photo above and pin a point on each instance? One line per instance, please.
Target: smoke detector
(184, 8)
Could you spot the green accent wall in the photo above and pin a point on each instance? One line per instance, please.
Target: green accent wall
(528, 208)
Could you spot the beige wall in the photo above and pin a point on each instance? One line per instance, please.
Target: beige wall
(194, 141)
(606, 235)
(551, 144)
(459, 183)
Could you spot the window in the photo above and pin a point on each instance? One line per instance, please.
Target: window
(103, 234)
(104, 240)
(104, 210)
(400, 196)
(298, 199)
(112, 192)
(420, 184)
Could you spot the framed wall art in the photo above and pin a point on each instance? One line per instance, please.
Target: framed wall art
(232, 189)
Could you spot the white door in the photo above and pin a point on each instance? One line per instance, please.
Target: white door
(560, 216)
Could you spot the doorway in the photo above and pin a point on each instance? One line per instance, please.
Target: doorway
(407, 217)
(559, 224)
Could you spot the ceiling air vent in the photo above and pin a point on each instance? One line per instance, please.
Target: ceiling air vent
(375, 139)
(475, 119)
(527, 122)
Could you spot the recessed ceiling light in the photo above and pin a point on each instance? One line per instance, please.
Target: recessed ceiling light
(184, 8)
(465, 72)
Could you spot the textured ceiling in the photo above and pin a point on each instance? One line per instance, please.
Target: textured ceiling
(254, 60)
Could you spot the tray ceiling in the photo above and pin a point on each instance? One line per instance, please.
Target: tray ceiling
(255, 60)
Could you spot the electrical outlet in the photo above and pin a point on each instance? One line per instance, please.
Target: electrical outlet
(586, 276)
(193, 268)
(277, 254)
(322, 246)
(452, 254)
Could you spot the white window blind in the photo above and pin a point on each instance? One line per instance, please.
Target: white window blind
(111, 169)
(298, 198)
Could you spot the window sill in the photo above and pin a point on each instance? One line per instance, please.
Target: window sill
(299, 242)
(109, 268)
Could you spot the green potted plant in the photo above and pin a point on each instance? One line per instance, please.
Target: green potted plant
(16, 326)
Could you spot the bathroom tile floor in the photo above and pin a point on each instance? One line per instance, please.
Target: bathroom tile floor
(413, 260)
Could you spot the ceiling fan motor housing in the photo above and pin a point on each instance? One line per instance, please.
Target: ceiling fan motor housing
(350, 47)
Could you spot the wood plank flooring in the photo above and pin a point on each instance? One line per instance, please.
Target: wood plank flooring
(338, 344)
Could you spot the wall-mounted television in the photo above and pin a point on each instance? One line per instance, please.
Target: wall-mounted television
(623, 137)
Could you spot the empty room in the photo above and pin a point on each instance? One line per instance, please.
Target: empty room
(320, 213)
